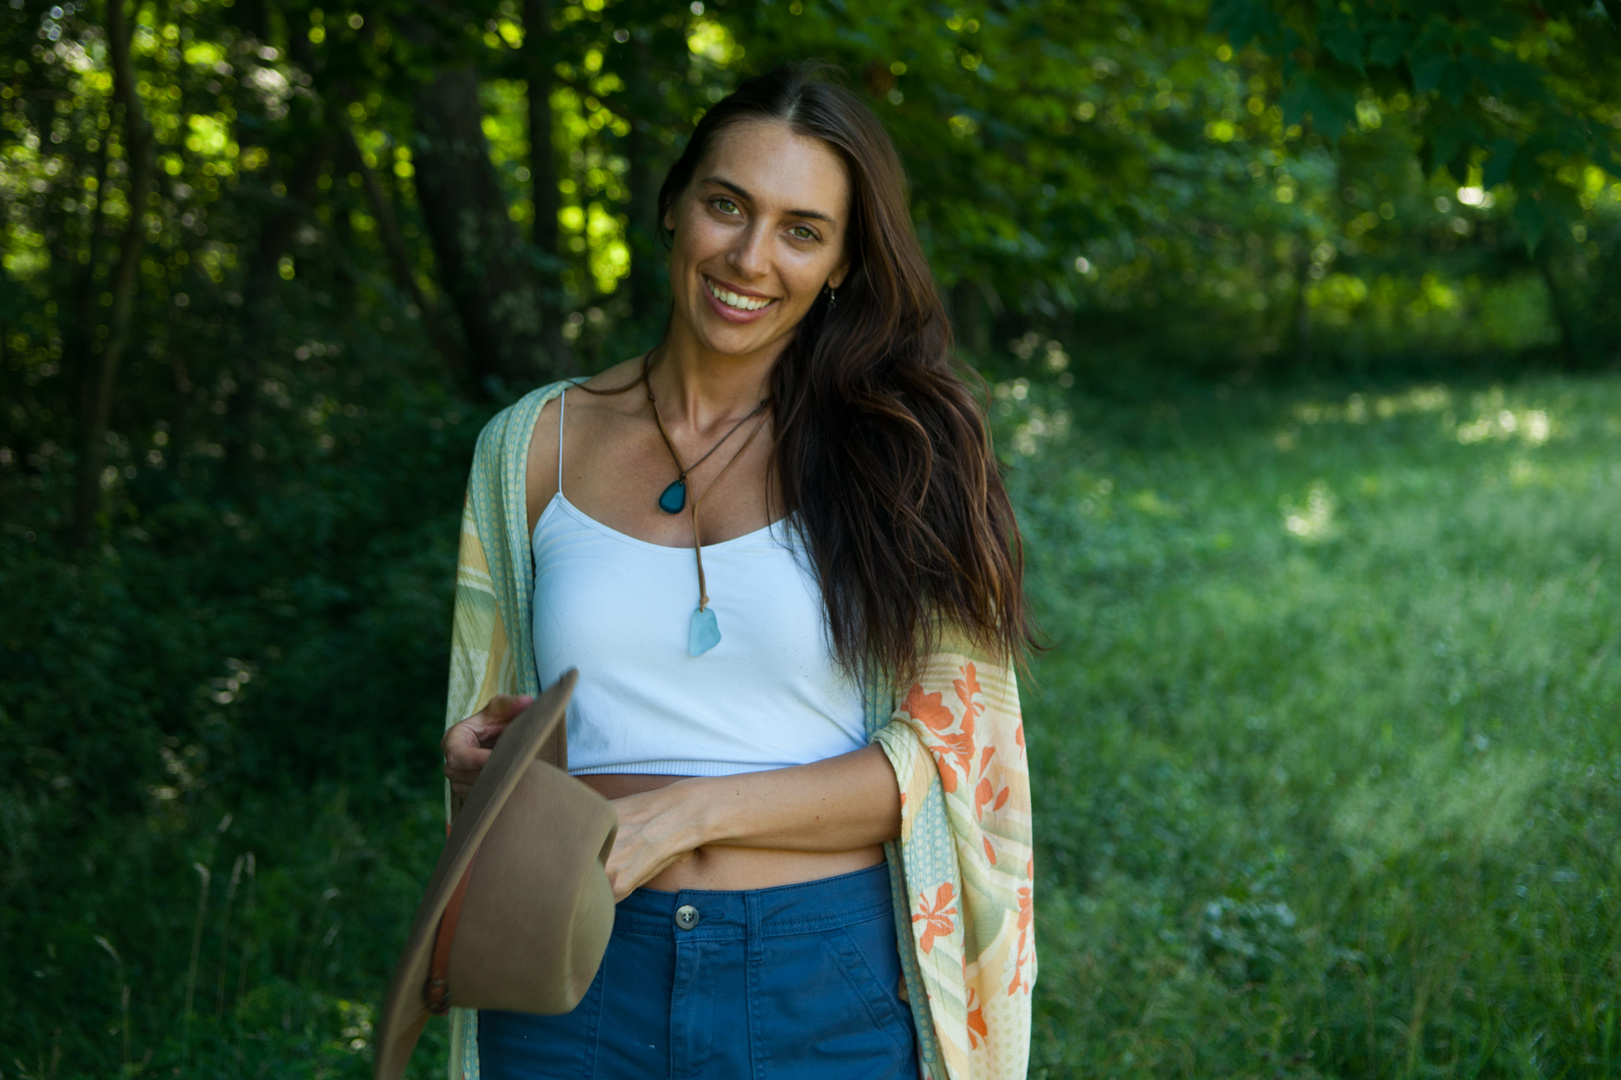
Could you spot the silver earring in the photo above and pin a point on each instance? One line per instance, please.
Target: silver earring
(832, 297)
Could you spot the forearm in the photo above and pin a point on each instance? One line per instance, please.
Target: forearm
(840, 804)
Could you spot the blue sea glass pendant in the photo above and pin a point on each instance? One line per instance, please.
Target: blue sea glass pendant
(703, 633)
(673, 500)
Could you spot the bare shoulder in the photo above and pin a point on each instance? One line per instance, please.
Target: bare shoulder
(540, 473)
(619, 377)
(540, 468)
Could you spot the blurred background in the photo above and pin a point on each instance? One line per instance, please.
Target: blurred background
(1300, 329)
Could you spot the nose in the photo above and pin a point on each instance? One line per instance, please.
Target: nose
(749, 255)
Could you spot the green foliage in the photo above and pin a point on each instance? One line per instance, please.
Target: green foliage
(217, 716)
(1326, 768)
(1514, 94)
(1325, 772)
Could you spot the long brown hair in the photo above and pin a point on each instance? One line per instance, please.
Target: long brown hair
(882, 450)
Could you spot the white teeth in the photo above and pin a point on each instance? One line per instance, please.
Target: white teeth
(731, 299)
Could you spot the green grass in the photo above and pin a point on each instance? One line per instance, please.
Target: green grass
(1327, 753)
(1327, 748)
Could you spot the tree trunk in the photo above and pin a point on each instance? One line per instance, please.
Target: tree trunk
(180, 426)
(400, 260)
(647, 282)
(1568, 350)
(259, 301)
(652, 51)
(1302, 319)
(537, 28)
(538, 59)
(486, 273)
(98, 404)
(78, 344)
(968, 318)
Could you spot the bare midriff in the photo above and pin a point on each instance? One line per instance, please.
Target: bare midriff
(724, 867)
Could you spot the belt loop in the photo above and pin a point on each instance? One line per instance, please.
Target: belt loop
(751, 908)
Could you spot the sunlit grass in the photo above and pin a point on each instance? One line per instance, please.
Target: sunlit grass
(1328, 749)
(1328, 761)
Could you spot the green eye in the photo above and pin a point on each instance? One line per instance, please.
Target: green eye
(803, 232)
(724, 205)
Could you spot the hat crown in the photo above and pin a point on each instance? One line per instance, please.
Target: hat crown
(538, 910)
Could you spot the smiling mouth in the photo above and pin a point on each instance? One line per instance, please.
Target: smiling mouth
(732, 300)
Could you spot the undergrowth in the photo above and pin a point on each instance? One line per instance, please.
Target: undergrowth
(1327, 753)
(1327, 761)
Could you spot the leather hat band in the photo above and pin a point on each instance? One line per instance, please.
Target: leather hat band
(437, 990)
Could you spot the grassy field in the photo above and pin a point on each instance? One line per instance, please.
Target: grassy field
(1328, 743)
(1328, 769)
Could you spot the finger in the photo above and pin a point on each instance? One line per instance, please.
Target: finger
(468, 759)
(475, 729)
(627, 880)
(459, 736)
(506, 706)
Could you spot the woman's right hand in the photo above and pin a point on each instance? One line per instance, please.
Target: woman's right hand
(467, 744)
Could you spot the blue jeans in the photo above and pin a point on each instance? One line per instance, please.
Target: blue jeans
(799, 982)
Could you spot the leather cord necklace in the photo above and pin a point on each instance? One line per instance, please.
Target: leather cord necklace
(674, 497)
(703, 630)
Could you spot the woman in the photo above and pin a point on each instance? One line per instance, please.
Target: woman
(778, 551)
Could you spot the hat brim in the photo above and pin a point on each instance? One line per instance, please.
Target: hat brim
(405, 1010)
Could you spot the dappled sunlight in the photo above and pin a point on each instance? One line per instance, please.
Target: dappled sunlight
(1449, 800)
(358, 1019)
(1359, 409)
(1530, 427)
(1151, 503)
(1314, 520)
(1332, 675)
(1030, 426)
(1490, 416)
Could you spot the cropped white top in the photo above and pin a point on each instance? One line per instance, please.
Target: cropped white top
(769, 695)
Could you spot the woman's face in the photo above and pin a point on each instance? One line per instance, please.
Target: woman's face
(758, 233)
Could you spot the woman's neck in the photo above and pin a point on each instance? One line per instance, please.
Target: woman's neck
(698, 388)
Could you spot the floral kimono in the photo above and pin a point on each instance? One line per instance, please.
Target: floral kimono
(961, 871)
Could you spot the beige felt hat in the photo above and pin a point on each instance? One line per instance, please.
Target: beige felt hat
(518, 911)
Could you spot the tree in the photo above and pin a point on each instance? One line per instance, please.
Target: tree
(99, 380)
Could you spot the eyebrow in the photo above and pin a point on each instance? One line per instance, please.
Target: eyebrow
(737, 190)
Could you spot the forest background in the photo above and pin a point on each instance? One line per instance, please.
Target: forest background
(1226, 269)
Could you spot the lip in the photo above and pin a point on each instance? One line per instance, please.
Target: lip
(729, 313)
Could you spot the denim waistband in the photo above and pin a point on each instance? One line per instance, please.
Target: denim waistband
(733, 915)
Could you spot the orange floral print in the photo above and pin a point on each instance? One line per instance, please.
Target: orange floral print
(964, 751)
(936, 919)
(1026, 912)
(967, 690)
(977, 1031)
(957, 745)
(985, 794)
(928, 708)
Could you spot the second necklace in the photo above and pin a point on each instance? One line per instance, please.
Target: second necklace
(703, 629)
(674, 497)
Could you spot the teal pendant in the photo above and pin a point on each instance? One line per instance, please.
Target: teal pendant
(673, 500)
(703, 633)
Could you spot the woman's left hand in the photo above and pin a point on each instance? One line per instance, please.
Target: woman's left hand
(657, 829)
(838, 804)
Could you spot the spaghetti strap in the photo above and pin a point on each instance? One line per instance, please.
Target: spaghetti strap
(562, 403)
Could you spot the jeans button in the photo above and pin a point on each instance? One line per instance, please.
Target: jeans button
(686, 916)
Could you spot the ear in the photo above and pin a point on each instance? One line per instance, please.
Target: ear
(836, 278)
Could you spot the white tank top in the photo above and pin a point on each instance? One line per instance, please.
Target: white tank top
(769, 695)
